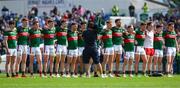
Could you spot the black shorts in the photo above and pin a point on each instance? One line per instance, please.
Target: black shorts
(90, 52)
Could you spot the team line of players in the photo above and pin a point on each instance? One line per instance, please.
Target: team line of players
(146, 42)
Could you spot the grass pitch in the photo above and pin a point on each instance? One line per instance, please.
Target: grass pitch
(136, 82)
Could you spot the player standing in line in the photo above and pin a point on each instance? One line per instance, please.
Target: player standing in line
(117, 41)
(72, 50)
(171, 45)
(158, 46)
(108, 49)
(35, 40)
(11, 44)
(61, 50)
(148, 45)
(80, 48)
(49, 51)
(22, 46)
(139, 50)
(129, 50)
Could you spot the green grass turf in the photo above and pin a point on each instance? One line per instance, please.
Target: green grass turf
(136, 82)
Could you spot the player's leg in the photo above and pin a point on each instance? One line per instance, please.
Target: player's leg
(105, 61)
(46, 58)
(110, 62)
(18, 61)
(137, 59)
(130, 66)
(32, 53)
(118, 57)
(39, 60)
(69, 60)
(13, 60)
(144, 59)
(51, 58)
(73, 63)
(58, 59)
(63, 57)
(155, 63)
(150, 59)
(62, 66)
(8, 61)
(23, 62)
(124, 66)
(118, 53)
(160, 64)
(172, 59)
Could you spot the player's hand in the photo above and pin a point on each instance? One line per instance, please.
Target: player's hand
(126, 33)
(164, 47)
(177, 49)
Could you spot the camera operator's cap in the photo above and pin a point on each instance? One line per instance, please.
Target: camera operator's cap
(25, 19)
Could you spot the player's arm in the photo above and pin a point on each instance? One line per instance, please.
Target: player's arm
(177, 45)
(5, 42)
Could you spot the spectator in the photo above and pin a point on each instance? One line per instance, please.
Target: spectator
(80, 10)
(131, 10)
(5, 11)
(55, 10)
(115, 10)
(145, 8)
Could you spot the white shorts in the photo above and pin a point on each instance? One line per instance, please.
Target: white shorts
(35, 51)
(41, 45)
(129, 55)
(49, 50)
(28, 50)
(80, 51)
(140, 50)
(109, 51)
(61, 49)
(22, 49)
(171, 51)
(12, 52)
(73, 53)
(158, 53)
(118, 49)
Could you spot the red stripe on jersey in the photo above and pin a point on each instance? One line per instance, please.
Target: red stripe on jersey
(59, 34)
(128, 40)
(35, 36)
(158, 38)
(11, 37)
(99, 37)
(170, 36)
(72, 38)
(140, 36)
(48, 36)
(117, 34)
(106, 36)
(23, 34)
